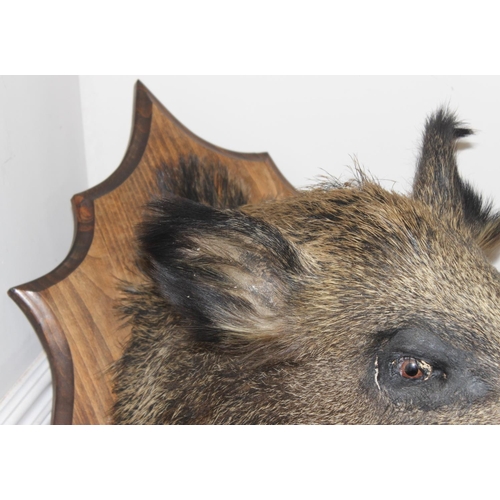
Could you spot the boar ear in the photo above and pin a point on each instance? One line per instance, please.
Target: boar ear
(229, 275)
(438, 183)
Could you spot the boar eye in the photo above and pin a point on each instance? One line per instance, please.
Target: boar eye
(417, 368)
(412, 368)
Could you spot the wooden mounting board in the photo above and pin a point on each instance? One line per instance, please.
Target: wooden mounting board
(72, 307)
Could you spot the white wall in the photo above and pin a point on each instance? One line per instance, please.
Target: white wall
(308, 124)
(42, 164)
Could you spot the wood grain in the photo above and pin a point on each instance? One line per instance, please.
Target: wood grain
(72, 307)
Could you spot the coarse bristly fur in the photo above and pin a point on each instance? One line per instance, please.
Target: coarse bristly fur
(342, 304)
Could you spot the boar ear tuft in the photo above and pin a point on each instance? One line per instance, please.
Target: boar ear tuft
(229, 275)
(203, 181)
(438, 183)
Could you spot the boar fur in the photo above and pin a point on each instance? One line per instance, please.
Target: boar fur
(342, 304)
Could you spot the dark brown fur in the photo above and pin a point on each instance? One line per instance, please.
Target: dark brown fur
(302, 310)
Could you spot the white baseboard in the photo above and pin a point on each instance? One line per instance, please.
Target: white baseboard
(29, 402)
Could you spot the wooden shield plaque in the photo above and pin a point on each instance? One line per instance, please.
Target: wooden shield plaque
(72, 308)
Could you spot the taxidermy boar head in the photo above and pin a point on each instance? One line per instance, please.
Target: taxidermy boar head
(342, 304)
